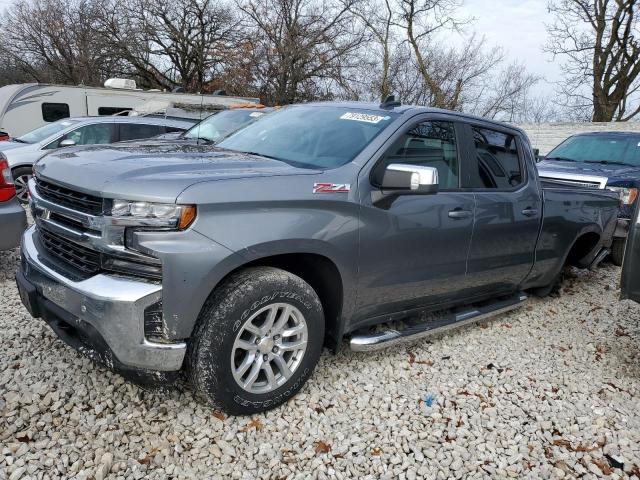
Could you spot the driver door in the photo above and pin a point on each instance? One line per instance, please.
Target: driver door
(413, 247)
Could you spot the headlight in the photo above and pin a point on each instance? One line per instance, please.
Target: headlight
(627, 195)
(155, 214)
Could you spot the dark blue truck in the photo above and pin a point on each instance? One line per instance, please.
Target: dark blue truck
(600, 160)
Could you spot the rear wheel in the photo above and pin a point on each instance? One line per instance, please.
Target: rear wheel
(617, 250)
(21, 177)
(257, 341)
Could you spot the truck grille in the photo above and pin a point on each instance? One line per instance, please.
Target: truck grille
(69, 198)
(83, 259)
(577, 183)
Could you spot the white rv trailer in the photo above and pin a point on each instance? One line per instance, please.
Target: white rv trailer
(28, 106)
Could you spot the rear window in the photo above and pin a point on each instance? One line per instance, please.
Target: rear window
(137, 131)
(498, 163)
(52, 112)
(311, 136)
(113, 110)
(599, 148)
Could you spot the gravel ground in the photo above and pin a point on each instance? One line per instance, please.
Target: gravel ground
(549, 391)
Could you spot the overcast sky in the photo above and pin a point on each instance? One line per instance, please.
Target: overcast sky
(515, 25)
(518, 26)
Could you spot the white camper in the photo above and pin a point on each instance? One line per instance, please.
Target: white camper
(28, 106)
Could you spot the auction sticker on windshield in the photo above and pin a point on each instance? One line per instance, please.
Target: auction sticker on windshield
(363, 117)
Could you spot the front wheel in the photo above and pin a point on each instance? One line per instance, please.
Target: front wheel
(256, 342)
(21, 177)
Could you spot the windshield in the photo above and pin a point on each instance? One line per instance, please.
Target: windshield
(599, 149)
(218, 126)
(45, 131)
(311, 137)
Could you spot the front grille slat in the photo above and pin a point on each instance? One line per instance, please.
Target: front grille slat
(82, 258)
(73, 257)
(66, 197)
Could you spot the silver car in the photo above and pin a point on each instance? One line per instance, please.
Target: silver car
(23, 151)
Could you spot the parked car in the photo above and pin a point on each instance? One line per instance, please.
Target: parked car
(600, 160)
(13, 218)
(25, 107)
(216, 127)
(23, 151)
(239, 262)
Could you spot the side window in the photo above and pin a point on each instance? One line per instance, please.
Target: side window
(112, 110)
(497, 158)
(52, 112)
(135, 131)
(429, 144)
(98, 133)
(173, 130)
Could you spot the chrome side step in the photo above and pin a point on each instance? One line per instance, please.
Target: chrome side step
(391, 337)
(599, 258)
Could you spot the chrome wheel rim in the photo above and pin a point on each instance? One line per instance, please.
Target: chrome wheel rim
(269, 348)
(22, 190)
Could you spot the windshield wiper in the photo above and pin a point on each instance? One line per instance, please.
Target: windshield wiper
(262, 155)
(562, 159)
(606, 162)
(18, 140)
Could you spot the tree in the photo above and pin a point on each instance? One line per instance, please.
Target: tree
(302, 48)
(57, 41)
(378, 19)
(598, 41)
(422, 20)
(168, 44)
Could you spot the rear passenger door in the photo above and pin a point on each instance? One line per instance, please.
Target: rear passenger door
(508, 209)
(139, 131)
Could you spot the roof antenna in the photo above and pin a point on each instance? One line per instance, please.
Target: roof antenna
(390, 102)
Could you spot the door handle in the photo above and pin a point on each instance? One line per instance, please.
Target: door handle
(530, 212)
(459, 213)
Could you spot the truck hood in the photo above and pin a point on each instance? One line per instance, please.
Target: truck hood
(153, 172)
(612, 172)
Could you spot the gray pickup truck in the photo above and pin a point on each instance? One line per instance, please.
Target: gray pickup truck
(237, 263)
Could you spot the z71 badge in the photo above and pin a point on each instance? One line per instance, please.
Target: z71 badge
(331, 187)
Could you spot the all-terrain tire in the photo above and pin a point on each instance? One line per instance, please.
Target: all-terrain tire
(223, 320)
(617, 250)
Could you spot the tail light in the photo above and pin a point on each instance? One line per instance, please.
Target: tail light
(7, 189)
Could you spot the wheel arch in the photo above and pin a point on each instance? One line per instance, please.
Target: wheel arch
(317, 269)
(583, 249)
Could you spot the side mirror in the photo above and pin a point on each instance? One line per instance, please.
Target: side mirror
(67, 143)
(403, 179)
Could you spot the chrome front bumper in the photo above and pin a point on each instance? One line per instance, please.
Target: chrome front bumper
(111, 305)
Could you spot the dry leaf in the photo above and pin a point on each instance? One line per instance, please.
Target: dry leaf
(620, 331)
(376, 451)
(254, 423)
(603, 466)
(218, 414)
(322, 447)
(563, 443)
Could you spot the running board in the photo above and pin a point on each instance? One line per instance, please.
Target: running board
(391, 337)
(599, 258)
